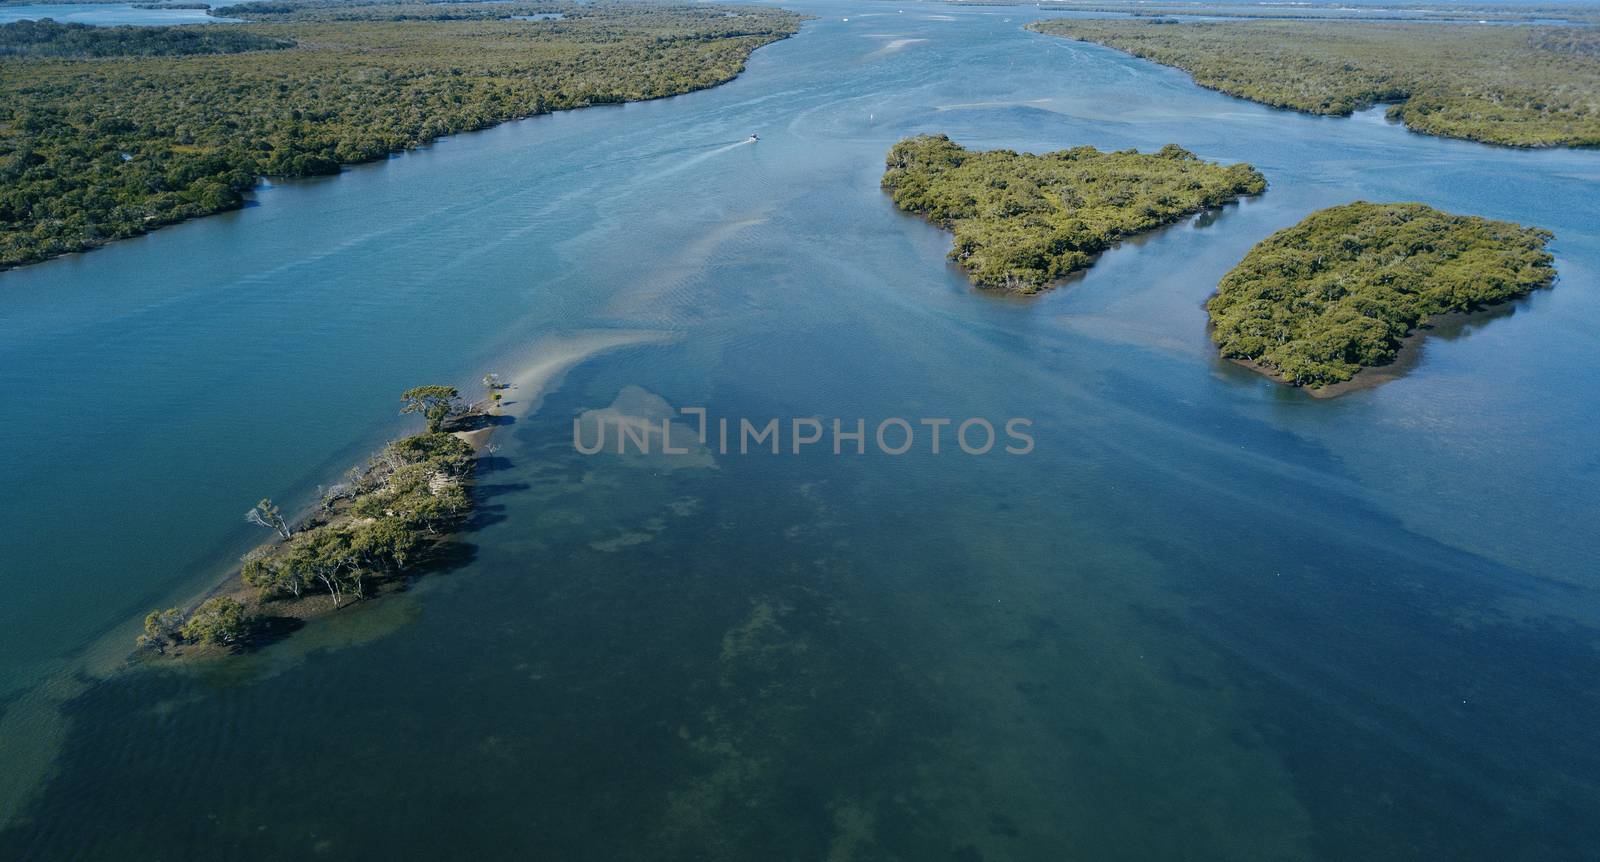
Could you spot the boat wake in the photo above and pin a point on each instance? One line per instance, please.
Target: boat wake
(713, 152)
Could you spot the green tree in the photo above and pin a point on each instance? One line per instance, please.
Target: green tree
(161, 628)
(385, 544)
(271, 577)
(219, 620)
(436, 403)
(326, 556)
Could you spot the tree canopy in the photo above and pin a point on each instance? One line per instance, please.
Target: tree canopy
(435, 403)
(414, 490)
(1319, 301)
(47, 38)
(1022, 221)
(218, 620)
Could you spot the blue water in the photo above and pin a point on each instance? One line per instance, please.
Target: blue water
(1208, 617)
(105, 14)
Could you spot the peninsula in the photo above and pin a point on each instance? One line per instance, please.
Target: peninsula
(109, 132)
(368, 534)
(1520, 86)
(1023, 221)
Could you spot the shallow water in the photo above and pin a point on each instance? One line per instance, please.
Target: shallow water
(1207, 617)
(106, 14)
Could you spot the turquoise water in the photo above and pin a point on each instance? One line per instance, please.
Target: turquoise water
(104, 14)
(1208, 617)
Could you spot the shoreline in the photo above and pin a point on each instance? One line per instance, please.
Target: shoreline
(279, 617)
(36, 712)
(248, 195)
(1408, 355)
(1394, 107)
(283, 616)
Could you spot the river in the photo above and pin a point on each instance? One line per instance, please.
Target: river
(107, 14)
(1207, 617)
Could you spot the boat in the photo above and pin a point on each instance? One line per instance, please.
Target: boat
(753, 138)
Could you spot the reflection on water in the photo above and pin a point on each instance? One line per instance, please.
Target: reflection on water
(1208, 617)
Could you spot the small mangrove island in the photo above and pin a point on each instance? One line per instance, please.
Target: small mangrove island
(1023, 221)
(1520, 86)
(1315, 303)
(385, 523)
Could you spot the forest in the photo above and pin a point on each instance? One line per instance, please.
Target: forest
(1521, 86)
(1317, 302)
(1023, 221)
(95, 147)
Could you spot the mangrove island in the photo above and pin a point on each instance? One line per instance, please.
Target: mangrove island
(1315, 303)
(1022, 221)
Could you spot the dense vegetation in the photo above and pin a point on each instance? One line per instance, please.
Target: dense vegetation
(1333, 10)
(1022, 221)
(1318, 301)
(371, 529)
(96, 149)
(1518, 86)
(408, 10)
(49, 39)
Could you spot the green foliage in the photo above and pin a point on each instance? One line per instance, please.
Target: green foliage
(325, 556)
(92, 150)
(394, 10)
(1389, 11)
(219, 620)
(1022, 221)
(398, 506)
(1318, 301)
(386, 544)
(420, 497)
(1518, 86)
(441, 452)
(436, 403)
(271, 577)
(47, 38)
(162, 627)
(414, 491)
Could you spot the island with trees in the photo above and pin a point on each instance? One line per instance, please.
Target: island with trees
(372, 532)
(1315, 303)
(1521, 86)
(1022, 221)
(109, 132)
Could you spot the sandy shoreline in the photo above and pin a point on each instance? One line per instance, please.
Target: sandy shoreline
(523, 395)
